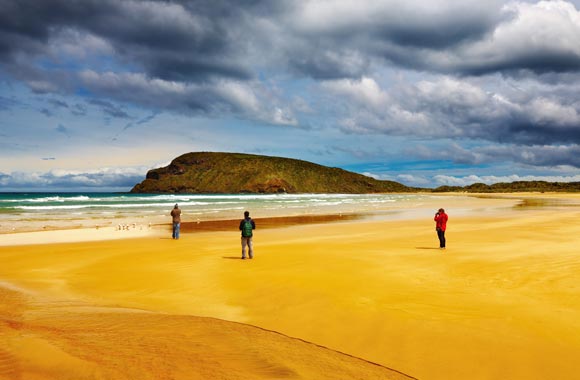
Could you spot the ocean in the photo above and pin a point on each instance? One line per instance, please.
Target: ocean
(45, 211)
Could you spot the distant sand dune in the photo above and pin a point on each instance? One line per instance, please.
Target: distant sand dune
(94, 343)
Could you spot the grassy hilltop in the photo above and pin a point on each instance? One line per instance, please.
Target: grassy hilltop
(515, 187)
(211, 173)
(233, 173)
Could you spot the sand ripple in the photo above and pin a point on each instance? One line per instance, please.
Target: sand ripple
(56, 342)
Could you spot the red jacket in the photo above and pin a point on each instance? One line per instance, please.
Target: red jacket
(441, 221)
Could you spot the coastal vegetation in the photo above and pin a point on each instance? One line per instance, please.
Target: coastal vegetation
(235, 173)
(232, 173)
(515, 187)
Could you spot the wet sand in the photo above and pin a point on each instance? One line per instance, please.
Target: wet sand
(329, 299)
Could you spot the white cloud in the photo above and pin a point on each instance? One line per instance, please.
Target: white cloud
(444, 106)
(364, 91)
(332, 15)
(370, 108)
(240, 94)
(72, 43)
(283, 117)
(533, 35)
(413, 180)
(131, 83)
(121, 179)
(550, 112)
(455, 92)
(162, 15)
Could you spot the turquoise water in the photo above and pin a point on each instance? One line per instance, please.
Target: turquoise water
(26, 211)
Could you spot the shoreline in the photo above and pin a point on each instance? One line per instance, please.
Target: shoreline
(130, 229)
(280, 218)
(74, 235)
(464, 205)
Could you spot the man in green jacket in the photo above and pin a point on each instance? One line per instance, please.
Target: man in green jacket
(247, 226)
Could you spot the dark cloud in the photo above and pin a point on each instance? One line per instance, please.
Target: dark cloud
(547, 156)
(142, 121)
(146, 119)
(535, 155)
(329, 64)
(191, 57)
(534, 121)
(110, 109)
(179, 67)
(207, 42)
(58, 103)
(170, 40)
(221, 98)
(46, 112)
(321, 37)
(54, 105)
(63, 130)
(18, 29)
(535, 38)
(464, 38)
(500, 72)
(436, 34)
(7, 103)
(458, 109)
(197, 41)
(539, 62)
(78, 109)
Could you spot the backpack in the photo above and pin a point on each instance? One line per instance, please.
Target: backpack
(247, 228)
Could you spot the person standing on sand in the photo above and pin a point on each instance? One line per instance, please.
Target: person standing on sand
(176, 215)
(247, 226)
(441, 225)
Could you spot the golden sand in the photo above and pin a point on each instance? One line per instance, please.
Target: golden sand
(329, 300)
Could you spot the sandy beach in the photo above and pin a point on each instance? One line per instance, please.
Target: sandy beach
(334, 298)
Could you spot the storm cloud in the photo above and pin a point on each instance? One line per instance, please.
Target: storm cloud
(490, 79)
(459, 109)
(215, 41)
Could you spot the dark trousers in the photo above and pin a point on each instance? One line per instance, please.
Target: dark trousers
(441, 236)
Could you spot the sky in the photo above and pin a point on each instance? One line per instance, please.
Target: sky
(94, 93)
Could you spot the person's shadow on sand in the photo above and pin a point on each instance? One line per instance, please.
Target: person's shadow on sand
(232, 257)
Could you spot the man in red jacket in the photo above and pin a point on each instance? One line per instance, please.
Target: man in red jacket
(441, 225)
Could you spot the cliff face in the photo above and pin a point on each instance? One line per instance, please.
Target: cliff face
(232, 173)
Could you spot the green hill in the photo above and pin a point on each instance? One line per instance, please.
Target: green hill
(515, 187)
(232, 173)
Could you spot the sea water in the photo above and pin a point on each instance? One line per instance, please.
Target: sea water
(38, 211)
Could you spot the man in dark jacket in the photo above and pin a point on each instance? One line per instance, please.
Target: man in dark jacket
(247, 226)
(176, 218)
(441, 225)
